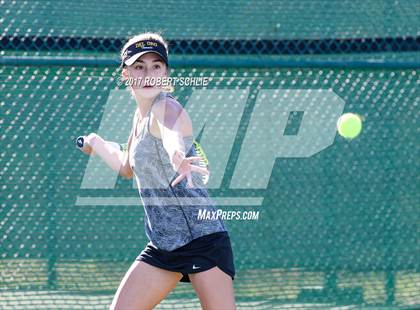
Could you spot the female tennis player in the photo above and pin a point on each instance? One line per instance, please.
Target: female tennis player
(182, 247)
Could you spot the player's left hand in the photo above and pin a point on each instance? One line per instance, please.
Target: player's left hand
(183, 165)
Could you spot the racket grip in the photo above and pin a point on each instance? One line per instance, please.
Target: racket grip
(80, 141)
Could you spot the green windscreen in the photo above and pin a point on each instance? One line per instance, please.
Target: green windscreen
(338, 219)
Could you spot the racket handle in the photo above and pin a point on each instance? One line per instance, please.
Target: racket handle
(80, 141)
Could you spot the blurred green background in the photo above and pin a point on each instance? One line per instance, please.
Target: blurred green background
(339, 228)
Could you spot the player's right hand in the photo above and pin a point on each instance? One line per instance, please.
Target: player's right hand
(87, 148)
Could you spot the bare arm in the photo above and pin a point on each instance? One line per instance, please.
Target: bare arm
(169, 115)
(126, 170)
(116, 159)
(112, 156)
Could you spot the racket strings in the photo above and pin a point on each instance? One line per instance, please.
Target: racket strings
(203, 162)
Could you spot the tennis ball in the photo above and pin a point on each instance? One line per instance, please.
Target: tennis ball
(349, 125)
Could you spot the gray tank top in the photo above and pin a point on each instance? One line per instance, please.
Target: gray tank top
(171, 213)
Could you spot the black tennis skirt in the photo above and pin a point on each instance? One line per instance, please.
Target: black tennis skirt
(199, 255)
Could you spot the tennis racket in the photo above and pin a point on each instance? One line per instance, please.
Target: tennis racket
(204, 163)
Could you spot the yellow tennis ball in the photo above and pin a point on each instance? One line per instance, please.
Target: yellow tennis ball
(349, 125)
